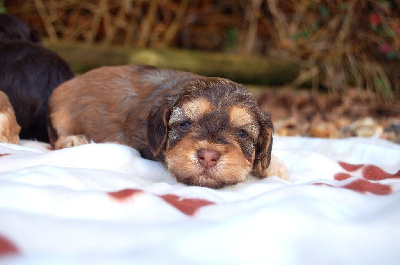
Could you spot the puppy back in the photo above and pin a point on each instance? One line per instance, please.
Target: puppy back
(117, 99)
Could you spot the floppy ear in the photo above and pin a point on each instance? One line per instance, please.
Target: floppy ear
(157, 130)
(264, 145)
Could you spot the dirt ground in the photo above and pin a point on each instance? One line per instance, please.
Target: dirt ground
(331, 115)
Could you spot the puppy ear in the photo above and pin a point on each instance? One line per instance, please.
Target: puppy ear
(264, 145)
(157, 130)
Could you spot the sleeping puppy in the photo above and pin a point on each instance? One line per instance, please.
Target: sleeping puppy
(9, 128)
(208, 131)
(28, 74)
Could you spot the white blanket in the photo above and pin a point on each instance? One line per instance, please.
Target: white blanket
(104, 204)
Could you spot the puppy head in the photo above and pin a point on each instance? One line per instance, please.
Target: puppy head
(213, 134)
(14, 29)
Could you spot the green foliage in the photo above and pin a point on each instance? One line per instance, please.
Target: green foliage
(383, 87)
(3, 9)
(232, 37)
(344, 39)
(324, 11)
(336, 43)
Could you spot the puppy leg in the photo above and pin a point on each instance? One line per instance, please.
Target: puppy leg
(277, 168)
(9, 128)
(70, 141)
(61, 127)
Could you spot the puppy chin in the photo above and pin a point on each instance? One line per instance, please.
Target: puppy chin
(203, 180)
(183, 164)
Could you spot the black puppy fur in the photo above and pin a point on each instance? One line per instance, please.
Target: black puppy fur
(13, 29)
(29, 73)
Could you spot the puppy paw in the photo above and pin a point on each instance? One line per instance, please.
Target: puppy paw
(70, 141)
(276, 168)
(9, 128)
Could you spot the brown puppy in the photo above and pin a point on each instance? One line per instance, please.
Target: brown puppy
(9, 128)
(208, 131)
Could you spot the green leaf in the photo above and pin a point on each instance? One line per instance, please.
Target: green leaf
(343, 6)
(385, 90)
(3, 9)
(390, 32)
(392, 55)
(323, 10)
(315, 26)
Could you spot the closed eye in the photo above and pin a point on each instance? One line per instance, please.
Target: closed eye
(242, 134)
(186, 125)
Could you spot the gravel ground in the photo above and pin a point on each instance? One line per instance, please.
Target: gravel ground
(331, 115)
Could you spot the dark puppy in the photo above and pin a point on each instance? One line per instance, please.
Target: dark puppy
(208, 131)
(28, 75)
(13, 29)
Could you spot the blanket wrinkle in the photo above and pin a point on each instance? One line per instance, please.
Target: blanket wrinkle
(104, 204)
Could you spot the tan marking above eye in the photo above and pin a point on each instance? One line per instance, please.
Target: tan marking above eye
(196, 108)
(240, 116)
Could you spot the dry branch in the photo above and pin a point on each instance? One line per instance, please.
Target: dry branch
(244, 69)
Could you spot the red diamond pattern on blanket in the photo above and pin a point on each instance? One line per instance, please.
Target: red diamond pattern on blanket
(350, 167)
(364, 186)
(367, 173)
(342, 176)
(7, 248)
(186, 206)
(372, 172)
(122, 195)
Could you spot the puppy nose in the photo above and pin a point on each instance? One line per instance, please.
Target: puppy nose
(208, 158)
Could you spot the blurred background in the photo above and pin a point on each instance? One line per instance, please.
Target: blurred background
(321, 68)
